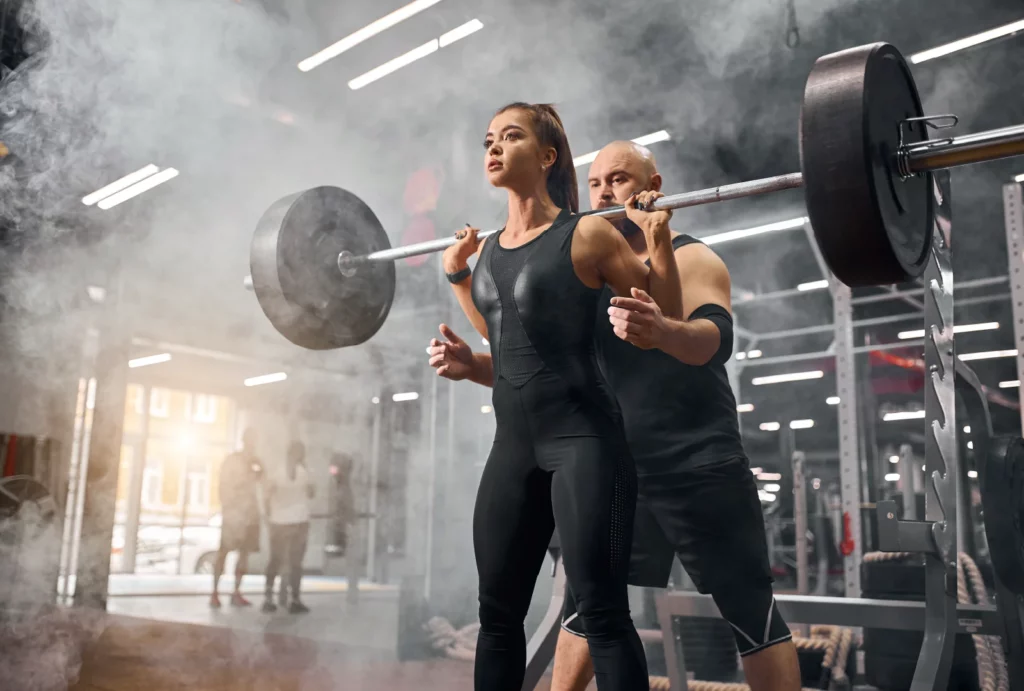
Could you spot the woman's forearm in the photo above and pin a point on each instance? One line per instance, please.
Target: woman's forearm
(483, 370)
(663, 282)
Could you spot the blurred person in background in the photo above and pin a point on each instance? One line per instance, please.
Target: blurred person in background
(288, 492)
(240, 513)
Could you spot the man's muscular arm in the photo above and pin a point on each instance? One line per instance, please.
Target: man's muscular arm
(704, 280)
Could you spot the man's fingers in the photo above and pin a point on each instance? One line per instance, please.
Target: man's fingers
(642, 295)
(626, 326)
(449, 334)
(631, 305)
(437, 360)
(442, 370)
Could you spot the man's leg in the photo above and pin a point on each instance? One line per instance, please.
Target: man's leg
(296, 553)
(278, 543)
(218, 569)
(240, 568)
(773, 669)
(573, 666)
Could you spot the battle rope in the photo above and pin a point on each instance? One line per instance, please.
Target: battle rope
(459, 644)
(992, 672)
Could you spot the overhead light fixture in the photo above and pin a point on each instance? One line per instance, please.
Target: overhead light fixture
(973, 474)
(781, 378)
(408, 396)
(903, 415)
(367, 32)
(772, 487)
(470, 27)
(753, 354)
(832, 400)
(960, 329)
(431, 46)
(265, 379)
(486, 409)
(1011, 384)
(750, 232)
(988, 355)
(967, 428)
(1019, 178)
(765, 496)
(757, 471)
(745, 408)
(769, 426)
(138, 188)
(813, 285)
(894, 459)
(892, 477)
(970, 41)
(646, 140)
(118, 185)
(375, 400)
(970, 445)
(769, 477)
(801, 424)
(149, 360)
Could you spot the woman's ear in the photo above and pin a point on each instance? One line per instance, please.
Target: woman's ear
(549, 158)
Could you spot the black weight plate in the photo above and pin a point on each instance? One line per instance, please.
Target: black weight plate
(1002, 497)
(295, 275)
(872, 227)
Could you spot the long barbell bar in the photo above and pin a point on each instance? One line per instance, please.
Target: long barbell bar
(924, 157)
(978, 147)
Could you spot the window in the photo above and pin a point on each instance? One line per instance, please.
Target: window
(152, 485)
(138, 394)
(160, 403)
(204, 408)
(198, 490)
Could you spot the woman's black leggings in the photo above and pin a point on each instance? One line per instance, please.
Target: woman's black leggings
(558, 460)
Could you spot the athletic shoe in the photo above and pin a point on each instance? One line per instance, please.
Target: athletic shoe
(238, 601)
(297, 607)
(268, 606)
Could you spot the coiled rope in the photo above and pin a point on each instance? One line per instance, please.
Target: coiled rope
(970, 590)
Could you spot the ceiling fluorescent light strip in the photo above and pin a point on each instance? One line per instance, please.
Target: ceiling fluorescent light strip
(1011, 384)
(408, 396)
(118, 185)
(793, 376)
(367, 32)
(148, 360)
(428, 48)
(138, 188)
(646, 140)
(791, 224)
(265, 379)
(813, 285)
(988, 355)
(970, 41)
(1019, 178)
(467, 29)
(962, 328)
(906, 415)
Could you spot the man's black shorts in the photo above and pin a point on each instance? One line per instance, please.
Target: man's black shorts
(710, 517)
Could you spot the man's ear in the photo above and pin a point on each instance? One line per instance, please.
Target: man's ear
(655, 184)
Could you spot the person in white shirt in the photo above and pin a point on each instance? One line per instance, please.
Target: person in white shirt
(288, 492)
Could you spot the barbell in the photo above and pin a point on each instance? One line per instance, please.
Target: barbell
(323, 269)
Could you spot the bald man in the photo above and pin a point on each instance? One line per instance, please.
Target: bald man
(696, 496)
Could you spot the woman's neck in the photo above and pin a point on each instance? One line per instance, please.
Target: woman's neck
(528, 212)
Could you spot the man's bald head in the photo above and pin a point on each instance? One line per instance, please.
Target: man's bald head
(632, 154)
(621, 169)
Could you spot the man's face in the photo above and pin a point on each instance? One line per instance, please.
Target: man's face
(618, 172)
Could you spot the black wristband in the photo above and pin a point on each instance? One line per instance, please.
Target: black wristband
(459, 276)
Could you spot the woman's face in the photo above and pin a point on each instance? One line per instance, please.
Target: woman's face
(513, 154)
